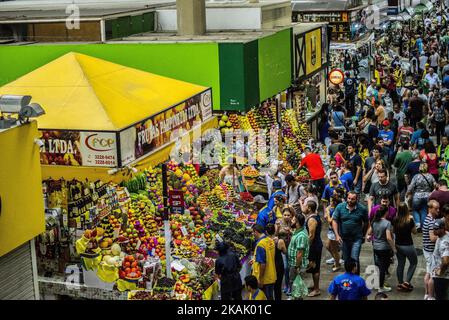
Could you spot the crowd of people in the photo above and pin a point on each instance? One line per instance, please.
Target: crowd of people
(384, 184)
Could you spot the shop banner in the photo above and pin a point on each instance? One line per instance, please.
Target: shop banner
(162, 128)
(313, 50)
(78, 148)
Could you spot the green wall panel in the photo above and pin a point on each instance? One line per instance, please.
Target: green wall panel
(274, 63)
(124, 26)
(196, 63)
(136, 24)
(148, 21)
(251, 64)
(232, 78)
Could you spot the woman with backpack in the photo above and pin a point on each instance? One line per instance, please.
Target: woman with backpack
(419, 191)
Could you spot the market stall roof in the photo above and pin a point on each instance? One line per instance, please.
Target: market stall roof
(79, 92)
(423, 8)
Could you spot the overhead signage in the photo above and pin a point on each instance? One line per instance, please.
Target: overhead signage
(78, 148)
(162, 128)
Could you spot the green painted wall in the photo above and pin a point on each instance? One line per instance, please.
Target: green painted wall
(274, 63)
(196, 63)
(232, 78)
(239, 75)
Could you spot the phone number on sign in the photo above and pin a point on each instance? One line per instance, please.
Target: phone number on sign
(107, 162)
(101, 157)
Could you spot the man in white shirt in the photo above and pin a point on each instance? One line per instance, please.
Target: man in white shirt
(434, 61)
(428, 22)
(370, 90)
(422, 62)
(432, 78)
(440, 261)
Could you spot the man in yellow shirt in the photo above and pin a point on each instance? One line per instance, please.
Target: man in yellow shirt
(252, 287)
(264, 267)
(361, 90)
(398, 77)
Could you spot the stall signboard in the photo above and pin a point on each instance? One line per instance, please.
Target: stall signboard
(78, 148)
(313, 50)
(161, 129)
(336, 76)
(176, 201)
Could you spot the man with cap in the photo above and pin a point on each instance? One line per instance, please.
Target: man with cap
(265, 215)
(388, 136)
(440, 272)
(350, 93)
(227, 268)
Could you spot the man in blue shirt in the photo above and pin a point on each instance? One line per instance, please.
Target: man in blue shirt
(277, 187)
(417, 134)
(388, 136)
(265, 215)
(349, 286)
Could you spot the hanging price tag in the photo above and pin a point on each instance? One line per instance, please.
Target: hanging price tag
(220, 239)
(184, 231)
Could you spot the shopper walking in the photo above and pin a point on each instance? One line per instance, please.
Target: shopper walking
(383, 245)
(350, 222)
(350, 94)
(403, 228)
(284, 231)
(280, 249)
(401, 161)
(263, 263)
(298, 255)
(441, 261)
(441, 193)
(313, 226)
(227, 268)
(314, 164)
(419, 191)
(293, 190)
(349, 286)
(356, 167)
(332, 245)
(384, 187)
(429, 239)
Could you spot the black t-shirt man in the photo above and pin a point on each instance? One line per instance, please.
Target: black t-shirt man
(349, 87)
(378, 191)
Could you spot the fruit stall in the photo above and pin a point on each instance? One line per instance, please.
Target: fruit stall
(294, 134)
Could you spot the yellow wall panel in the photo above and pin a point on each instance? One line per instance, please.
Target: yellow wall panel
(22, 214)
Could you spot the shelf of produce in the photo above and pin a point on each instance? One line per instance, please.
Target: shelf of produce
(58, 287)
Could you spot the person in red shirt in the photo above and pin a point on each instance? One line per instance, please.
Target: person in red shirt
(314, 165)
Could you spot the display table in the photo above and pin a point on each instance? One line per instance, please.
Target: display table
(51, 288)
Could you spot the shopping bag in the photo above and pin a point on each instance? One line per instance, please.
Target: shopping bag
(107, 273)
(299, 288)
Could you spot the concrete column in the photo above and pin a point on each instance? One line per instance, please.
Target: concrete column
(191, 16)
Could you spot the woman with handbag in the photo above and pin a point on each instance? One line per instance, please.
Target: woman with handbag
(419, 191)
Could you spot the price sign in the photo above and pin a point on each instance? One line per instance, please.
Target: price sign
(176, 201)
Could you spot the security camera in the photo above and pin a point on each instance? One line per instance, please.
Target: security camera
(32, 110)
(12, 103)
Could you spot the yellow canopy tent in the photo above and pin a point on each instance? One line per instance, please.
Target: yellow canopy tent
(97, 98)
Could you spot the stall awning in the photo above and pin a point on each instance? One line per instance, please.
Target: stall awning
(423, 8)
(321, 5)
(351, 45)
(403, 16)
(79, 92)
